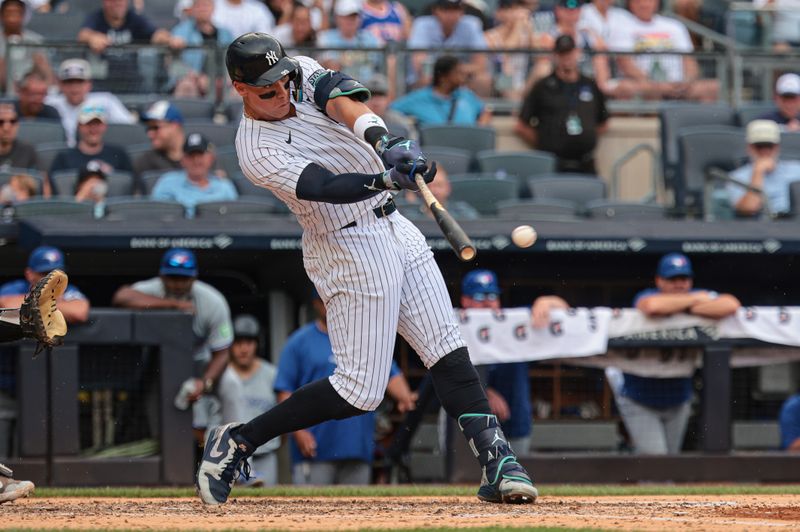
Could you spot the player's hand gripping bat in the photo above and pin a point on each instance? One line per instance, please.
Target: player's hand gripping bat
(458, 239)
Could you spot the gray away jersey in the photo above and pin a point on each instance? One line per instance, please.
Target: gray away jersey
(273, 155)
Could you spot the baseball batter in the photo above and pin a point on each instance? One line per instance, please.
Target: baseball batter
(307, 136)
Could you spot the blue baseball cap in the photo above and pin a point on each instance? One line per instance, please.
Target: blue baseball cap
(45, 259)
(179, 261)
(479, 282)
(162, 110)
(674, 265)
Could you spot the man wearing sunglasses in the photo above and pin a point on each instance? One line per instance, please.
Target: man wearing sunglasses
(766, 173)
(164, 124)
(14, 153)
(177, 288)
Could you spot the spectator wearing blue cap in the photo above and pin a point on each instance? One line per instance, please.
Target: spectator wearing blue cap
(164, 124)
(656, 410)
(177, 287)
(789, 422)
(42, 260)
(507, 385)
(75, 85)
(195, 183)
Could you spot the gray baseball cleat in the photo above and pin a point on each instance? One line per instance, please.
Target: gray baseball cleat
(224, 461)
(504, 480)
(10, 489)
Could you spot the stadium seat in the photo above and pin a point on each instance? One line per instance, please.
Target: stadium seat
(577, 188)
(536, 209)
(6, 173)
(453, 160)
(470, 138)
(53, 207)
(748, 112)
(520, 164)
(794, 199)
(119, 183)
(233, 111)
(675, 116)
(126, 134)
(148, 180)
(483, 194)
(701, 148)
(128, 208)
(193, 109)
(41, 131)
(220, 135)
(58, 27)
(244, 207)
(46, 152)
(625, 210)
(790, 143)
(227, 160)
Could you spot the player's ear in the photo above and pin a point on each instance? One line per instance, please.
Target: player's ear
(240, 88)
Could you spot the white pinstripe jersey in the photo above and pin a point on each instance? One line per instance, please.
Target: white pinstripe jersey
(269, 160)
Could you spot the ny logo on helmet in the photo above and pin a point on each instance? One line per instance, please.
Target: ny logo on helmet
(272, 57)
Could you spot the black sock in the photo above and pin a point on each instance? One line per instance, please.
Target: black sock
(458, 386)
(308, 406)
(9, 332)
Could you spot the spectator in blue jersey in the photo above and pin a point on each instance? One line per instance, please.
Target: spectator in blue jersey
(766, 172)
(196, 183)
(790, 424)
(447, 100)
(387, 20)
(507, 385)
(197, 29)
(42, 260)
(448, 28)
(655, 410)
(348, 34)
(787, 103)
(334, 452)
(92, 127)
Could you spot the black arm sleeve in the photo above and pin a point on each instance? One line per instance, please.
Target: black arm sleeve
(320, 184)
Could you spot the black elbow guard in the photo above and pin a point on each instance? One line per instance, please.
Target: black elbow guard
(329, 84)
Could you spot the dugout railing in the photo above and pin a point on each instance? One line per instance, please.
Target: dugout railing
(49, 388)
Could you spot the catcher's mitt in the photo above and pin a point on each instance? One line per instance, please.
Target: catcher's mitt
(38, 315)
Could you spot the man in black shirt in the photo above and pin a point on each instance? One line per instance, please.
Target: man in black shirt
(13, 153)
(164, 124)
(32, 90)
(565, 112)
(91, 129)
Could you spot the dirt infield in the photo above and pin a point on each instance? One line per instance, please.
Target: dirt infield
(710, 513)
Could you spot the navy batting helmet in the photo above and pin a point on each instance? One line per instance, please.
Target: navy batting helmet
(259, 60)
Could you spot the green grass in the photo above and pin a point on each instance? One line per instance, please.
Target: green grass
(426, 490)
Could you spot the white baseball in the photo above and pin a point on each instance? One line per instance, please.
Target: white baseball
(523, 236)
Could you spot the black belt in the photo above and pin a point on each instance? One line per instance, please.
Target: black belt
(384, 210)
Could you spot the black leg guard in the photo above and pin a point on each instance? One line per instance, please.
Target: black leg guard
(308, 406)
(458, 386)
(9, 332)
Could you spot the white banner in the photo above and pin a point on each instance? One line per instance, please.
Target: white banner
(580, 336)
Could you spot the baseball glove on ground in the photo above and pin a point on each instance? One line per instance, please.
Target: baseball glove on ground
(38, 315)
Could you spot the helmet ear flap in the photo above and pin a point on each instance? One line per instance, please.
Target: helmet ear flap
(296, 77)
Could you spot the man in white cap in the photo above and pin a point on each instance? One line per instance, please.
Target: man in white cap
(75, 82)
(765, 172)
(787, 103)
(348, 34)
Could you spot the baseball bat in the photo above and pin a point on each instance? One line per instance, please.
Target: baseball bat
(456, 237)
